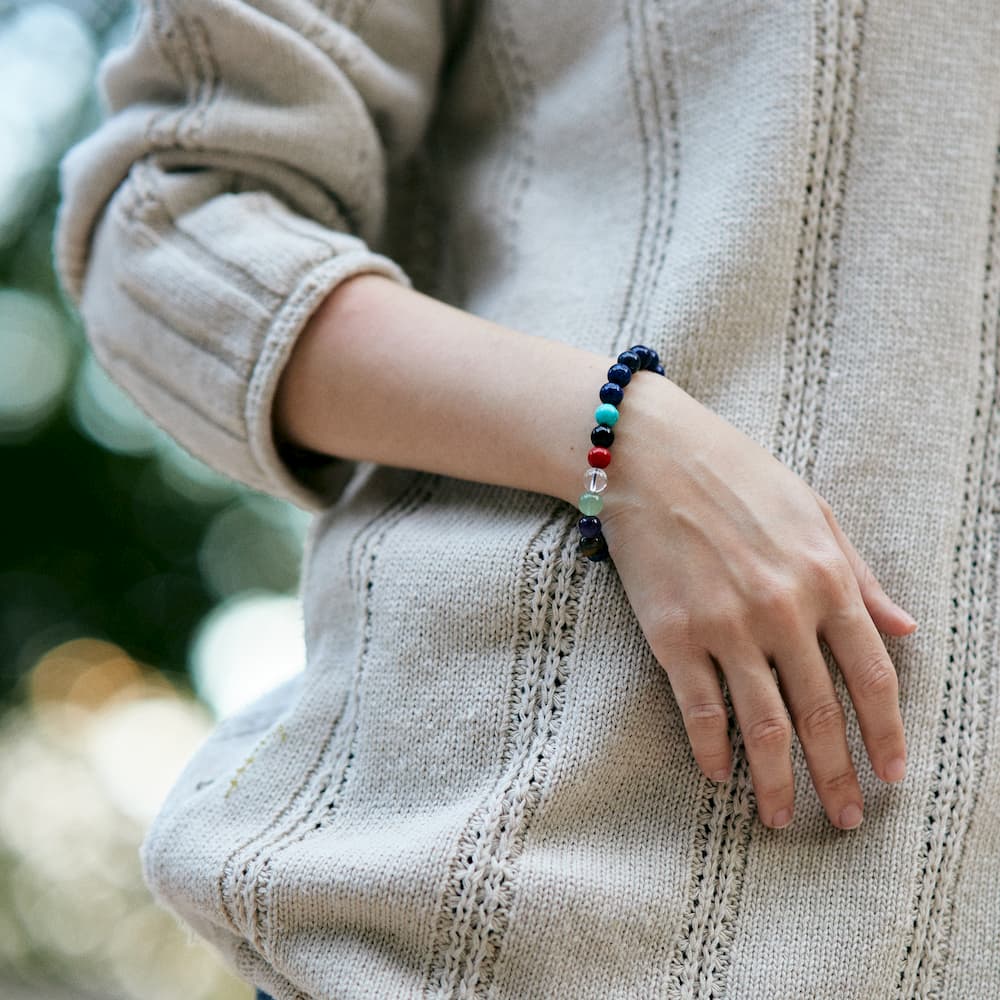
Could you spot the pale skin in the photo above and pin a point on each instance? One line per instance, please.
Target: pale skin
(731, 562)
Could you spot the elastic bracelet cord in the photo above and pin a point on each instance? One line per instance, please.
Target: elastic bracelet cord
(636, 358)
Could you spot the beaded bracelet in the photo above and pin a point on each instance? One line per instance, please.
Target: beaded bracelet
(592, 543)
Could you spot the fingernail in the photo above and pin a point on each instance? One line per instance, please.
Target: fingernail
(850, 817)
(895, 770)
(781, 818)
(722, 775)
(909, 619)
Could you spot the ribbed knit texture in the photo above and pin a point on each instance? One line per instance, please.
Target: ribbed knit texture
(481, 786)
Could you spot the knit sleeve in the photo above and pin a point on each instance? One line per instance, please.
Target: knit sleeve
(238, 176)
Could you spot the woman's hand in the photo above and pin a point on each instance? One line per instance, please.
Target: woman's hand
(724, 552)
(731, 561)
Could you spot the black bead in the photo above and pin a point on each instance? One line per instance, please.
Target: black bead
(592, 546)
(600, 555)
(620, 374)
(602, 436)
(611, 393)
(590, 526)
(658, 369)
(630, 359)
(645, 355)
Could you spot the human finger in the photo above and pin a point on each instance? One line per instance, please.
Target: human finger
(820, 723)
(766, 728)
(873, 685)
(887, 614)
(696, 688)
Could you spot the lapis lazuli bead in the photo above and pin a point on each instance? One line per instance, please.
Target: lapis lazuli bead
(606, 414)
(620, 374)
(645, 355)
(630, 360)
(602, 436)
(611, 393)
(590, 527)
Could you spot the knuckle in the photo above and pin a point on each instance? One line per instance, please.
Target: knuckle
(831, 574)
(876, 677)
(669, 627)
(771, 733)
(840, 782)
(823, 719)
(712, 761)
(891, 741)
(777, 791)
(778, 601)
(705, 717)
(719, 625)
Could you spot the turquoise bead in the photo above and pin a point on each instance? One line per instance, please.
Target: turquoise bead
(606, 414)
(590, 503)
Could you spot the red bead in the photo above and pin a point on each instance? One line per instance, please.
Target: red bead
(599, 458)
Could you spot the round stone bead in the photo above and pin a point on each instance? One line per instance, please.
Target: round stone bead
(590, 527)
(630, 360)
(606, 414)
(590, 547)
(590, 503)
(600, 458)
(644, 353)
(602, 436)
(600, 555)
(620, 374)
(658, 369)
(654, 358)
(611, 393)
(596, 480)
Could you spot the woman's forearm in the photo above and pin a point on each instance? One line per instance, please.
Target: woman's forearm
(383, 373)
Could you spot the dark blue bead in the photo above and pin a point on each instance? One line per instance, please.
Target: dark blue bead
(630, 360)
(590, 527)
(592, 547)
(620, 374)
(654, 358)
(658, 369)
(602, 436)
(611, 393)
(644, 353)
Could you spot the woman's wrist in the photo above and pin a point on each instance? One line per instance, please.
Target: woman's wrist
(653, 419)
(386, 374)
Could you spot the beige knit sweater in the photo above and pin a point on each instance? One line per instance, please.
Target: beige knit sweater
(481, 786)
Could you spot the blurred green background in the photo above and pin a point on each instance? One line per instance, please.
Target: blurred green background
(142, 596)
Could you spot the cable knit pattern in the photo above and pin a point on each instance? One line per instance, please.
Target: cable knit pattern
(481, 787)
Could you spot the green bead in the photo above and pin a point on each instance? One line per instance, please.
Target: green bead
(590, 503)
(606, 414)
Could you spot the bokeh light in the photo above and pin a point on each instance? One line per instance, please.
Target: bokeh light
(87, 759)
(38, 356)
(254, 543)
(107, 415)
(143, 595)
(35, 39)
(244, 647)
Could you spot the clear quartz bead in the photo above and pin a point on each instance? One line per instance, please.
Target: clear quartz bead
(596, 480)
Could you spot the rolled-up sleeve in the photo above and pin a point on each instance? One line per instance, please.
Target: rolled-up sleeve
(238, 177)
